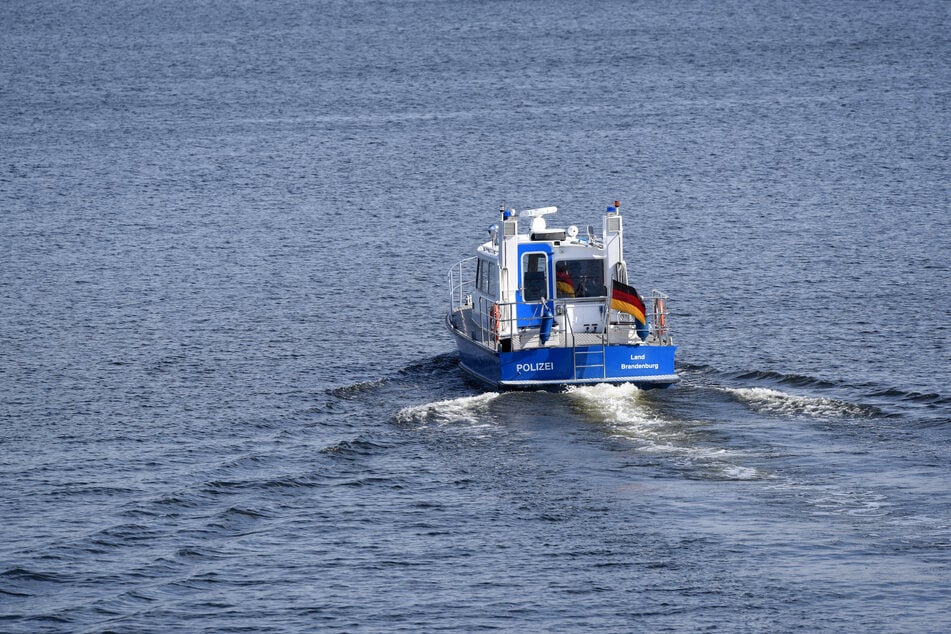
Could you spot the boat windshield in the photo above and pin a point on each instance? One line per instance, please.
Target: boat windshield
(580, 278)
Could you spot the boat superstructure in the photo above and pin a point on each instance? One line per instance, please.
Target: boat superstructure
(552, 307)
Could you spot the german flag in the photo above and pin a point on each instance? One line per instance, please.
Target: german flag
(625, 299)
(566, 287)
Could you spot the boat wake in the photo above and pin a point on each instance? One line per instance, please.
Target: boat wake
(776, 402)
(776, 393)
(871, 390)
(469, 410)
(630, 414)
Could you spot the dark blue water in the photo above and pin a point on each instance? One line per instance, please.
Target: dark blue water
(227, 402)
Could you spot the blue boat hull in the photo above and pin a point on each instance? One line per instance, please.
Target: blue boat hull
(643, 365)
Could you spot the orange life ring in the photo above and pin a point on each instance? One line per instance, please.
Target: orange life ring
(496, 318)
(660, 316)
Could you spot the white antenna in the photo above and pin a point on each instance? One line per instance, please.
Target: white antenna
(537, 213)
(537, 216)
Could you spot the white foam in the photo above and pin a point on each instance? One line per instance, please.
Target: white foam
(466, 409)
(612, 403)
(836, 500)
(770, 401)
(737, 472)
(627, 414)
(859, 503)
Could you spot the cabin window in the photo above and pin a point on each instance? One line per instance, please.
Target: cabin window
(579, 278)
(534, 277)
(480, 276)
(487, 278)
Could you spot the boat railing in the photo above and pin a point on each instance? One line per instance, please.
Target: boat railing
(521, 325)
(461, 284)
(660, 318)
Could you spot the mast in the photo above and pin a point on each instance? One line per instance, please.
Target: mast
(613, 231)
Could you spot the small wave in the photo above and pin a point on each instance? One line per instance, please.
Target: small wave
(872, 391)
(689, 370)
(26, 575)
(123, 534)
(237, 521)
(433, 365)
(769, 377)
(170, 504)
(357, 447)
(193, 553)
(23, 583)
(420, 371)
(771, 401)
(13, 593)
(298, 481)
(349, 392)
(466, 409)
(797, 380)
(931, 398)
(695, 367)
(238, 512)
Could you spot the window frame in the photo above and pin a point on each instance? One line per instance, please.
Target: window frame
(579, 270)
(526, 259)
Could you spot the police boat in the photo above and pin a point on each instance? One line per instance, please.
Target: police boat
(551, 308)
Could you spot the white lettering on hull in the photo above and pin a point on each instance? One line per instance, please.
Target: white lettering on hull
(535, 367)
(640, 366)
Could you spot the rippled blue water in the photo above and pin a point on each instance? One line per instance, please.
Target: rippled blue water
(227, 402)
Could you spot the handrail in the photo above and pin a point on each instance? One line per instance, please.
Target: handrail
(459, 286)
(490, 322)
